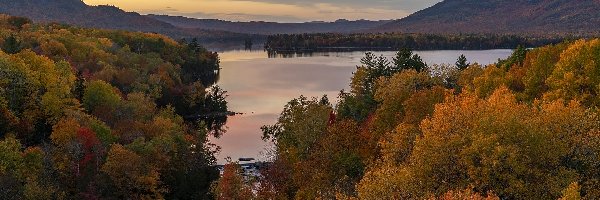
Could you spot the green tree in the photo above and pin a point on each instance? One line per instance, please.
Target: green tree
(100, 95)
(18, 22)
(373, 67)
(405, 59)
(516, 58)
(299, 126)
(461, 63)
(11, 45)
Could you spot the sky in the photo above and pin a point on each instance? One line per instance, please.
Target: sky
(274, 10)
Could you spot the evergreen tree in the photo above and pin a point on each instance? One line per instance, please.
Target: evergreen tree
(11, 45)
(461, 63)
(18, 22)
(405, 59)
(516, 58)
(79, 88)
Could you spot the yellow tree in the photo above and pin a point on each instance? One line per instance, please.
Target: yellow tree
(132, 178)
(232, 185)
(494, 144)
(539, 64)
(576, 75)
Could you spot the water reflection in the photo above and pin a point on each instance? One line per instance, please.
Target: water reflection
(274, 54)
(260, 85)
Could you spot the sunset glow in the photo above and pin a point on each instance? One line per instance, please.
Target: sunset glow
(271, 10)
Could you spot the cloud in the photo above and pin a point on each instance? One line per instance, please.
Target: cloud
(404, 5)
(230, 16)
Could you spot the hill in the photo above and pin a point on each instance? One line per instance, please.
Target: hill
(267, 28)
(76, 12)
(103, 114)
(502, 16)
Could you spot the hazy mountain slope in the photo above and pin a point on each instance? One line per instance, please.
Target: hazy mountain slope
(502, 16)
(76, 12)
(339, 26)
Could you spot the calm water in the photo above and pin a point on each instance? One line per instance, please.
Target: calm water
(260, 86)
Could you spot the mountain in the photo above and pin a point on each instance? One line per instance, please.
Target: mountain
(268, 28)
(76, 12)
(502, 16)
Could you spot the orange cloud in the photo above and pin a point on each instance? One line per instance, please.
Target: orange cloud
(233, 9)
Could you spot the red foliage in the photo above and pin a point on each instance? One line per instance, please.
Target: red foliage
(332, 119)
(90, 144)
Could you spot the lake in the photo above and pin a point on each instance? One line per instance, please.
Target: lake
(260, 85)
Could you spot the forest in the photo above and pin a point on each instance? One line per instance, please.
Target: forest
(292, 43)
(527, 127)
(102, 114)
(99, 114)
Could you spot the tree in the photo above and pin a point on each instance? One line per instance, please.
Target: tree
(191, 169)
(466, 194)
(373, 67)
(539, 65)
(100, 96)
(571, 192)
(132, 178)
(18, 22)
(215, 107)
(405, 59)
(82, 116)
(297, 135)
(201, 66)
(393, 96)
(299, 127)
(486, 158)
(516, 58)
(461, 63)
(11, 162)
(22, 172)
(575, 76)
(232, 185)
(79, 87)
(11, 45)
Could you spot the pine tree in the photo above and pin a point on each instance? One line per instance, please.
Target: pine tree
(79, 88)
(11, 45)
(461, 63)
(405, 59)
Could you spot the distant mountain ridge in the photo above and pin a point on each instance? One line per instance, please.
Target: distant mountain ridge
(268, 28)
(76, 12)
(531, 17)
(502, 16)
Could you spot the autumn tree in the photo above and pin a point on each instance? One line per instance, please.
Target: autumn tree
(232, 185)
(132, 178)
(22, 172)
(540, 64)
(100, 98)
(496, 129)
(516, 58)
(575, 76)
(94, 114)
(296, 135)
